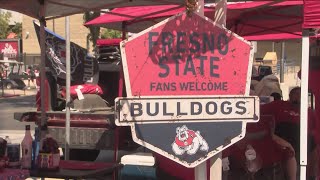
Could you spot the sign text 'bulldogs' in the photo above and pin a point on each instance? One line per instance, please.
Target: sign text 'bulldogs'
(162, 109)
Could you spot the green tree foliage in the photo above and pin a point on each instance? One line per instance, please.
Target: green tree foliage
(17, 28)
(4, 24)
(5, 28)
(110, 34)
(94, 31)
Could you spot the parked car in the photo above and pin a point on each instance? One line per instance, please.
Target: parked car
(8, 84)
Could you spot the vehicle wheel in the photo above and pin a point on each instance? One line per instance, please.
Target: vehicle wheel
(9, 86)
(83, 154)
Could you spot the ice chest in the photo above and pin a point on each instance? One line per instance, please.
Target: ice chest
(138, 166)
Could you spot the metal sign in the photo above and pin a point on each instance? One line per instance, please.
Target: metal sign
(188, 109)
(187, 81)
(10, 48)
(186, 55)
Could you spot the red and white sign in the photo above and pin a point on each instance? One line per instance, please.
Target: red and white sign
(187, 109)
(10, 48)
(188, 83)
(182, 56)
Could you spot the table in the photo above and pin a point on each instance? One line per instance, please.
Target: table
(77, 170)
(16, 174)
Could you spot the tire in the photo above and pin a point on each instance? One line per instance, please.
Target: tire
(9, 85)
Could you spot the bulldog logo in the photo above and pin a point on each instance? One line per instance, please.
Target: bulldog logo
(188, 141)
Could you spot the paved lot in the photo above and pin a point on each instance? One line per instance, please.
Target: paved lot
(15, 101)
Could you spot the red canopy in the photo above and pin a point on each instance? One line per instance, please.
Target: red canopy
(311, 14)
(266, 20)
(136, 18)
(60, 8)
(257, 20)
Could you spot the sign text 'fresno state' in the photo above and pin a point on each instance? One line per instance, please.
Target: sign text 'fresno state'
(178, 61)
(188, 64)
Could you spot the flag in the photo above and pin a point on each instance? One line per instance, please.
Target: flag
(84, 68)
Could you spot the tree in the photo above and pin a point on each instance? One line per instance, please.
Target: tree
(109, 34)
(94, 31)
(4, 24)
(6, 28)
(17, 28)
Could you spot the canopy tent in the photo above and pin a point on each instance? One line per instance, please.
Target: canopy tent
(255, 20)
(136, 19)
(282, 20)
(60, 8)
(311, 15)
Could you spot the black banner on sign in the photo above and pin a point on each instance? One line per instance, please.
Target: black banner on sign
(188, 142)
(84, 68)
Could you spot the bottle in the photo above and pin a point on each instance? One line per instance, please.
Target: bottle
(35, 148)
(26, 149)
(253, 163)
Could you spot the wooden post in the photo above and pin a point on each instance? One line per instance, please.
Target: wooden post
(216, 167)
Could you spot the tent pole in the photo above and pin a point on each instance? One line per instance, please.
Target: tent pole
(121, 76)
(120, 90)
(273, 46)
(68, 65)
(283, 51)
(42, 67)
(304, 105)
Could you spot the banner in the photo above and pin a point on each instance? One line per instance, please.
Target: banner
(84, 68)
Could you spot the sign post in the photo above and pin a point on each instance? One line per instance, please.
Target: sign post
(200, 171)
(220, 17)
(187, 81)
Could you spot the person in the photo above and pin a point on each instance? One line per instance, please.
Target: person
(259, 136)
(287, 123)
(265, 84)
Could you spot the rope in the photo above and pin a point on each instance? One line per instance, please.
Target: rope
(191, 6)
